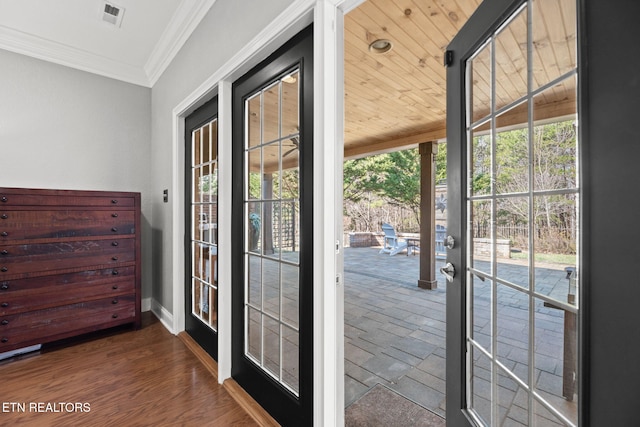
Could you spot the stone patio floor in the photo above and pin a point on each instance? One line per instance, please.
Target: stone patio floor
(395, 335)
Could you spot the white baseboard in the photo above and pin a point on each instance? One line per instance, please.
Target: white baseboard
(166, 318)
(146, 304)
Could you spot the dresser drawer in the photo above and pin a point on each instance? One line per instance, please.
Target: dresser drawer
(55, 323)
(19, 297)
(46, 224)
(40, 257)
(38, 198)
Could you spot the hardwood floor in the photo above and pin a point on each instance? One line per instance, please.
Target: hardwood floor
(129, 378)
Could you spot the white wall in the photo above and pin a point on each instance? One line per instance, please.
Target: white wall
(61, 128)
(229, 25)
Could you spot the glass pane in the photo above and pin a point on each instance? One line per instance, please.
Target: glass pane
(512, 160)
(513, 402)
(289, 233)
(213, 307)
(271, 287)
(290, 358)
(555, 156)
(482, 326)
(290, 295)
(481, 164)
(271, 229)
(206, 144)
(544, 417)
(198, 261)
(290, 170)
(512, 240)
(197, 149)
(196, 291)
(196, 196)
(481, 244)
(511, 61)
(555, 244)
(271, 109)
(290, 103)
(271, 159)
(481, 385)
(556, 357)
(255, 281)
(254, 116)
(271, 355)
(255, 174)
(254, 334)
(512, 340)
(481, 84)
(554, 29)
(254, 227)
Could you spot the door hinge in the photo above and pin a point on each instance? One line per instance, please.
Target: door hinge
(448, 58)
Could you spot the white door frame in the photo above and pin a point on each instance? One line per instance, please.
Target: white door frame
(327, 16)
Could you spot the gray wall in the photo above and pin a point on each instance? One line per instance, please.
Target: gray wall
(227, 28)
(67, 129)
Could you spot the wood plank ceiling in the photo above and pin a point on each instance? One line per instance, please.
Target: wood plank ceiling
(396, 100)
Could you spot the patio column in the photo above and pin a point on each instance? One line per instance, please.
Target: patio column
(428, 151)
(267, 214)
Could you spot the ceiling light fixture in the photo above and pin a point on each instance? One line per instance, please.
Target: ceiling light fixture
(380, 46)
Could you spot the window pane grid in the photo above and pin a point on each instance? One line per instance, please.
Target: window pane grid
(527, 298)
(204, 187)
(271, 212)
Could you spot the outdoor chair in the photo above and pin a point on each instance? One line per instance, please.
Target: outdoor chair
(392, 245)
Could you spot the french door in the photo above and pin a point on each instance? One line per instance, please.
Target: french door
(272, 251)
(201, 247)
(513, 298)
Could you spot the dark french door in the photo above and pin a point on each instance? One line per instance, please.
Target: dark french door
(201, 229)
(514, 299)
(272, 228)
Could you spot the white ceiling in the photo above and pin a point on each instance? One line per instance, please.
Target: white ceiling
(73, 33)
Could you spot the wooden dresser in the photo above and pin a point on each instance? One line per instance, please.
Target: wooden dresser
(69, 263)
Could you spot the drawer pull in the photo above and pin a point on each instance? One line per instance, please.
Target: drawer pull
(4, 305)
(114, 244)
(5, 322)
(114, 201)
(114, 287)
(4, 269)
(4, 340)
(114, 315)
(4, 252)
(4, 234)
(115, 301)
(4, 286)
(115, 272)
(114, 258)
(115, 215)
(4, 199)
(114, 229)
(4, 216)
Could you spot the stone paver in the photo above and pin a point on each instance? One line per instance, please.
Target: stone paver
(395, 332)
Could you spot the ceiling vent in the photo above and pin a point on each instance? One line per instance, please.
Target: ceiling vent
(112, 14)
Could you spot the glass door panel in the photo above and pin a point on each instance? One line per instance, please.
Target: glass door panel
(522, 208)
(271, 201)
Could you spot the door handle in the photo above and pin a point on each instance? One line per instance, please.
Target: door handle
(449, 271)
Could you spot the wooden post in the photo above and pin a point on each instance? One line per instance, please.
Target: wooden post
(267, 214)
(428, 151)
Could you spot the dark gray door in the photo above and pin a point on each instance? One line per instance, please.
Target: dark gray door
(515, 203)
(201, 225)
(273, 232)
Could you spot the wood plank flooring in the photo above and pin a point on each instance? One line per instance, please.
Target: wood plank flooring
(129, 378)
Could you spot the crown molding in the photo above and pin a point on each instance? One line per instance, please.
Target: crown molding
(58, 53)
(182, 24)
